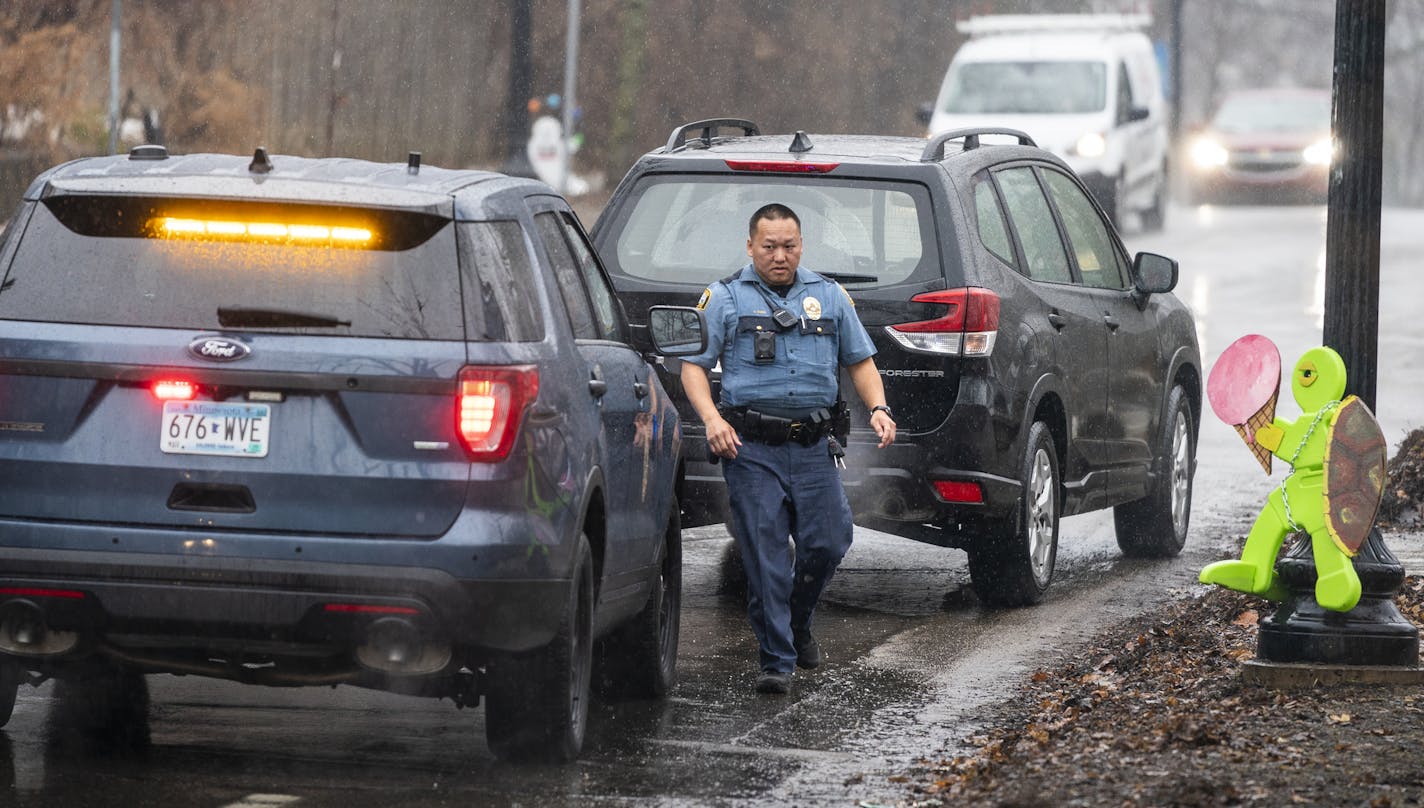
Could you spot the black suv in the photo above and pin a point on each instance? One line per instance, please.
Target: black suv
(1035, 369)
(294, 421)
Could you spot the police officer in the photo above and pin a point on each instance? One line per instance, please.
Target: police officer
(781, 334)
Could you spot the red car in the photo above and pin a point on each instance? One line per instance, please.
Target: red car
(1265, 146)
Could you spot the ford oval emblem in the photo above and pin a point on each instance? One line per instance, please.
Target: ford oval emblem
(218, 349)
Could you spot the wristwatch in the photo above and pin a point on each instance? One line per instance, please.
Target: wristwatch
(884, 409)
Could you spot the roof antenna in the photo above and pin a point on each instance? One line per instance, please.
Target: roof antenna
(261, 163)
(412, 163)
(800, 143)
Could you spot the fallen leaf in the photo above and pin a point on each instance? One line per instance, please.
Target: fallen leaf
(1338, 718)
(1246, 618)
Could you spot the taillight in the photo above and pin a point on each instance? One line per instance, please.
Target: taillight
(967, 328)
(953, 491)
(173, 390)
(40, 592)
(782, 166)
(368, 608)
(492, 402)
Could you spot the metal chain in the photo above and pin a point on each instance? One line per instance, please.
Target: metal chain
(1285, 498)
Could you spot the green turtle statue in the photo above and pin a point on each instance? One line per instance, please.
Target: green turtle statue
(1336, 452)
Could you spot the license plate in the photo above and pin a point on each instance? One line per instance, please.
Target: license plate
(215, 428)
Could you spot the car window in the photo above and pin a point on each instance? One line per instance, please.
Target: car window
(567, 274)
(1033, 221)
(1088, 235)
(693, 230)
(118, 263)
(992, 231)
(501, 292)
(1029, 87)
(605, 307)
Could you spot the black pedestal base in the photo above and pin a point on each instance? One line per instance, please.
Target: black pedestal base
(1372, 633)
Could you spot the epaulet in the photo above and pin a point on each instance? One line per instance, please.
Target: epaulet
(707, 293)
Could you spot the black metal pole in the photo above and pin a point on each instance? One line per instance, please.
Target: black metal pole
(1352, 230)
(1374, 632)
(521, 84)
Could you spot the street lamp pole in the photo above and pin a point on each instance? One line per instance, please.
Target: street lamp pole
(571, 51)
(115, 13)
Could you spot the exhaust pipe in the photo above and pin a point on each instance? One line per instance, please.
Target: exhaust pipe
(394, 645)
(25, 632)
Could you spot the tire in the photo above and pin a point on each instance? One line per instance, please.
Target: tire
(537, 703)
(1112, 202)
(640, 659)
(1156, 525)
(10, 678)
(106, 704)
(1016, 567)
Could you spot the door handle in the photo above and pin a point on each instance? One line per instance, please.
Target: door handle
(1111, 322)
(1056, 320)
(640, 390)
(597, 387)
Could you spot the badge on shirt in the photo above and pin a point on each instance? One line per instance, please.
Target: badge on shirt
(706, 296)
(849, 299)
(812, 307)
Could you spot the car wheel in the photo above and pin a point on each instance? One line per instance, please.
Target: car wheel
(537, 704)
(1156, 525)
(640, 660)
(10, 679)
(107, 704)
(1112, 202)
(1014, 569)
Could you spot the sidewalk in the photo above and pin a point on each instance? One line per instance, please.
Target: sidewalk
(1155, 713)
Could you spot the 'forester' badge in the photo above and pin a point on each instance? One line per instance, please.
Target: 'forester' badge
(812, 307)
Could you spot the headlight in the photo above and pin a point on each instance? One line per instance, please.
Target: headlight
(1207, 153)
(1320, 153)
(1091, 145)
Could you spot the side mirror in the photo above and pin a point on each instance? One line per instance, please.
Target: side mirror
(677, 330)
(924, 113)
(1153, 274)
(1138, 114)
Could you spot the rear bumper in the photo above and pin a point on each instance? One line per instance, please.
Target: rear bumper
(892, 489)
(191, 596)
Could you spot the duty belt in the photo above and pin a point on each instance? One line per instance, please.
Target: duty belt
(774, 430)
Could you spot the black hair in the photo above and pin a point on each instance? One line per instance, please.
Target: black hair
(773, 211)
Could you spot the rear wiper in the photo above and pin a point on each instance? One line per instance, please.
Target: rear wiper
(237, 317)
(848, 277)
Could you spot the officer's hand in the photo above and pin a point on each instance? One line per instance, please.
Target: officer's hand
(722, 438)
(884, 426)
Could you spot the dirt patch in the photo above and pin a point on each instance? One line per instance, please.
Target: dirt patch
(1154, 713)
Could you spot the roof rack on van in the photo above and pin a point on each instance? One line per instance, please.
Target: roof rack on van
(934, 149)
(679, 135)
(994, 24)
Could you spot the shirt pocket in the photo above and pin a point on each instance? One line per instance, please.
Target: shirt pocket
(819, 338)
(747, 329)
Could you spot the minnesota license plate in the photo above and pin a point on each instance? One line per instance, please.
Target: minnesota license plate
(215, 428)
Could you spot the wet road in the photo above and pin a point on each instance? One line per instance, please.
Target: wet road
(912, 658)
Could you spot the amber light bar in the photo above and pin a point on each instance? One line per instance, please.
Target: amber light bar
(262, 231)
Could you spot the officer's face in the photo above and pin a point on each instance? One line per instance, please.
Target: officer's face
(775, 250)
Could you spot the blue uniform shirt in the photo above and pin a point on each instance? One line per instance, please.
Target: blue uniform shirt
(809, 354)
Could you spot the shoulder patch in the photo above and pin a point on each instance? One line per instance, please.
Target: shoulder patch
(706, 296)
(849, 299)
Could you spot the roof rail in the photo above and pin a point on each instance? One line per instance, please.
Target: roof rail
(679, 135)
(992, 24)
(934, 149)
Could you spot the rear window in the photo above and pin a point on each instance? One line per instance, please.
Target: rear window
(693, 230)
(175, 263)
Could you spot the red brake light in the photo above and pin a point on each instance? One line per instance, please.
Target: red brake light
(783, 166)
(366, 608)
(491, 403)
(952, 491)
(968, 326)
(174, 390)
(36, 592)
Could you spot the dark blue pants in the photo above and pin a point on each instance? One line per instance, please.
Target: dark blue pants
(780, 492)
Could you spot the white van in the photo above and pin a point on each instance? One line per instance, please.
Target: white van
(1085, 87)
